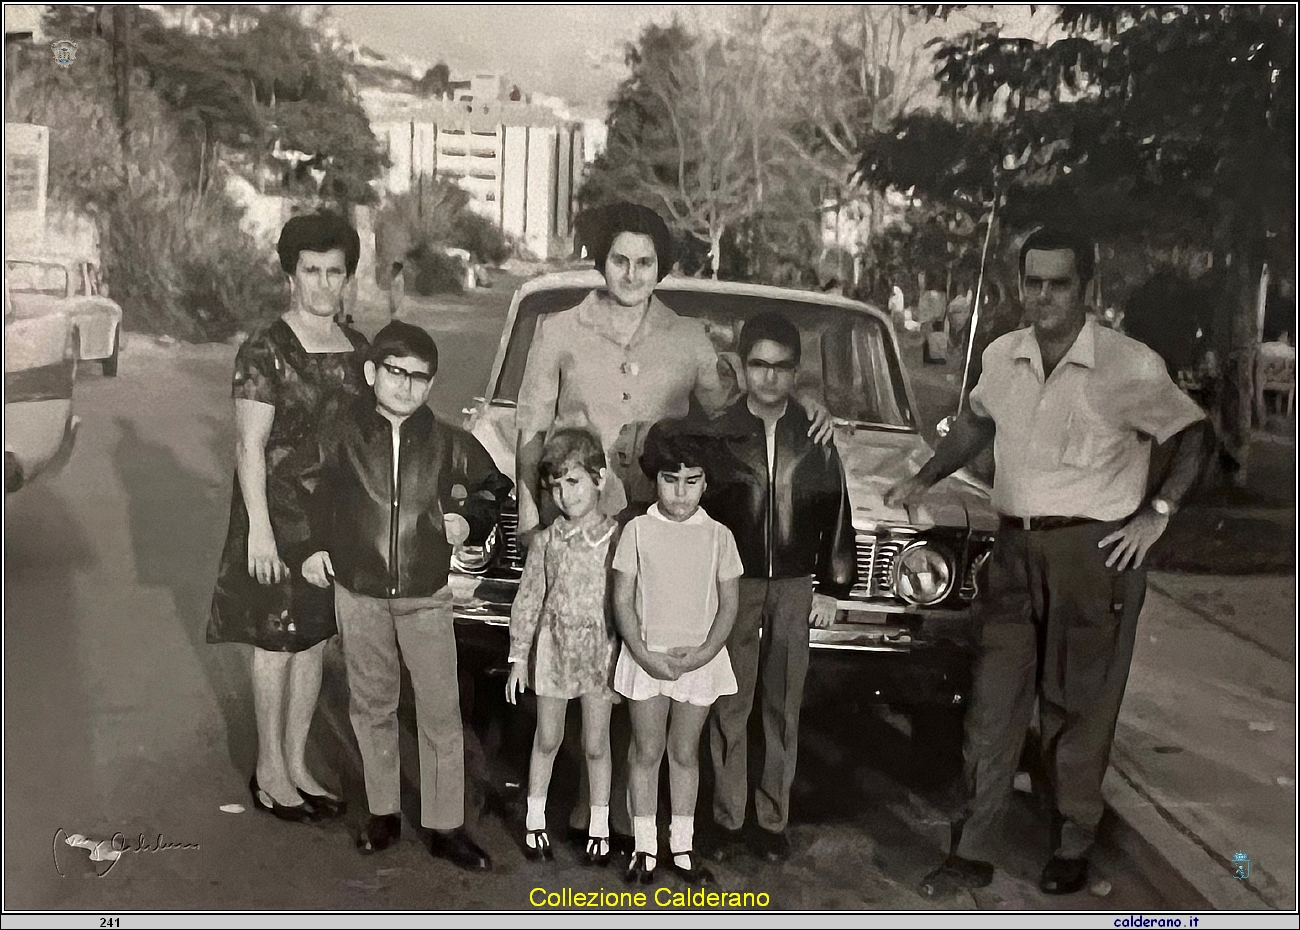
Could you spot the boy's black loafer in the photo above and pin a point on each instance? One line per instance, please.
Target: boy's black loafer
(1063, 876)
(457, 848)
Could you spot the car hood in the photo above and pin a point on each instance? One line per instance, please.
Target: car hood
(876, 459)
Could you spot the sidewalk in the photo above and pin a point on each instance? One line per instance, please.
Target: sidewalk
(1204, 760)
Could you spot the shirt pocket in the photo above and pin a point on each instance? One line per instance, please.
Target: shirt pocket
(1089, 440)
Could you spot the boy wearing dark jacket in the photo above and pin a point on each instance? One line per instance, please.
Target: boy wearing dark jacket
(784, 498)
(397, 490)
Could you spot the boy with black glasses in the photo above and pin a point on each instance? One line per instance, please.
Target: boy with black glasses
(396, 491)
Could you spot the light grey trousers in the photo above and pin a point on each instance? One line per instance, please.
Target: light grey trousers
(378, 636)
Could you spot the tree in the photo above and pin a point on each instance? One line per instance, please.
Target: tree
(677, 127)
(436, 82)
(840, 74)
(1160, 125)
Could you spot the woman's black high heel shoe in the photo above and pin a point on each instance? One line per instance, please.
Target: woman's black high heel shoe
(327, 808)
(296, 813)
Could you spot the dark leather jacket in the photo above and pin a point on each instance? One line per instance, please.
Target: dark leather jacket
(388, 539)
(800, 524)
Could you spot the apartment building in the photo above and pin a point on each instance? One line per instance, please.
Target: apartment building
(520, 163)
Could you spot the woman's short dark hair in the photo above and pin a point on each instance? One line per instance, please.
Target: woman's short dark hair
(599, 227)
(402, 340)
(568, 447)
(773, 327)
(1049, 239)
(673, 444)
(318, 232)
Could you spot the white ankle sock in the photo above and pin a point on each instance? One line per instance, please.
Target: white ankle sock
(645, 835)
(599, 821)
(681, 838)
(536, 816)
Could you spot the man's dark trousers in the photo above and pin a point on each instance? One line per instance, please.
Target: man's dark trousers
(1059, 624)
(778, 663)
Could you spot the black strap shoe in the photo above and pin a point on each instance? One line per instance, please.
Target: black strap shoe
(382, 831)
(1063, 876)
(693, 874)
(641, 868)
(540, 848)
(597, 852)
(457, 848)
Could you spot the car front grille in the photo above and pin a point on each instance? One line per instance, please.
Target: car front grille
(876, 566)
(511, 559)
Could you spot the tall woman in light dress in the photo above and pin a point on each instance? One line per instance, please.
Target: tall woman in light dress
(616, 364)
(283, 374)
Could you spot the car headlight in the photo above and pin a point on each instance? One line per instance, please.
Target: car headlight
(474, 559)
(922, 574)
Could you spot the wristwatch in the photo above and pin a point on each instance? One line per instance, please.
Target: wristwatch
(1162, 506)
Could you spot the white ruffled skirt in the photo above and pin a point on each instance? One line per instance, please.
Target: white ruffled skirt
(701, 687)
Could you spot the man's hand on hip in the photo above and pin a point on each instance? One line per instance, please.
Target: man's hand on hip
(1134, 538)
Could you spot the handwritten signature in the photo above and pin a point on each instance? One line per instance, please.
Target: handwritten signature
(111, 850)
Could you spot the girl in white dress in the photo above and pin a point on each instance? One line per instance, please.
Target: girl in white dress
(675, 593)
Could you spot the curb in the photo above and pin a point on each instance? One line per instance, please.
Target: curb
(1166, 851)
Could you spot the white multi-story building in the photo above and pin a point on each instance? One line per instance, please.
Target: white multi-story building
(520, 163)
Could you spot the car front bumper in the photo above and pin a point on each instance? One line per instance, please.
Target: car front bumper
(892, 656)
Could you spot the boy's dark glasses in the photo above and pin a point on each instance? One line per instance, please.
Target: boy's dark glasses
(762, 365)
(422, 378)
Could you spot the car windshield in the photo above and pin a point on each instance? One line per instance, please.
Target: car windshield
(38, 278)
(848, 361)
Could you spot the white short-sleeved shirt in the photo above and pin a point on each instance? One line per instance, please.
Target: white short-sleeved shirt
(678, 566)
(1077, 443)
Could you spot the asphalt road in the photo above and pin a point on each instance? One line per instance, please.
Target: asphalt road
(120, 718)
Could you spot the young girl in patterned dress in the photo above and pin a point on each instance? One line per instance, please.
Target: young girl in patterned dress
(562, 639)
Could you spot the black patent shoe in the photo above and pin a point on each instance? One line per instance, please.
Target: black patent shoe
(457, 848)
(295, 813)
(640, 869)
(382, 831)
(541, 847)
(597, 852)
(327, 808)
(1063, 876)
(695, 873)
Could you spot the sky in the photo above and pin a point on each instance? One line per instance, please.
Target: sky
(571, 51)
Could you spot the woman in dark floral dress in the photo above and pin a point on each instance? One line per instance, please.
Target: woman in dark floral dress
(284, 374)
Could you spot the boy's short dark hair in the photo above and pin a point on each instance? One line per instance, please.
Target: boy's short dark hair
(398, 339)
(1052, 239)
(673, 443)
(568, 447)
(773, 327)
(318, 232)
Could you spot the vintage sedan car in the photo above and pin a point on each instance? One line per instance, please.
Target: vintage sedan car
(903, 634)
(40, 368)
(41, 284)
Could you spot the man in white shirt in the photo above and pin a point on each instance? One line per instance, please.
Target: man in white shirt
(1072, 409)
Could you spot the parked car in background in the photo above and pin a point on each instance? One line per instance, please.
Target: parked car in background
(903, 635)
(42, 284)
(40, 368)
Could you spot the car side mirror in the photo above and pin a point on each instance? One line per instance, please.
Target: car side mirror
(944, 426)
